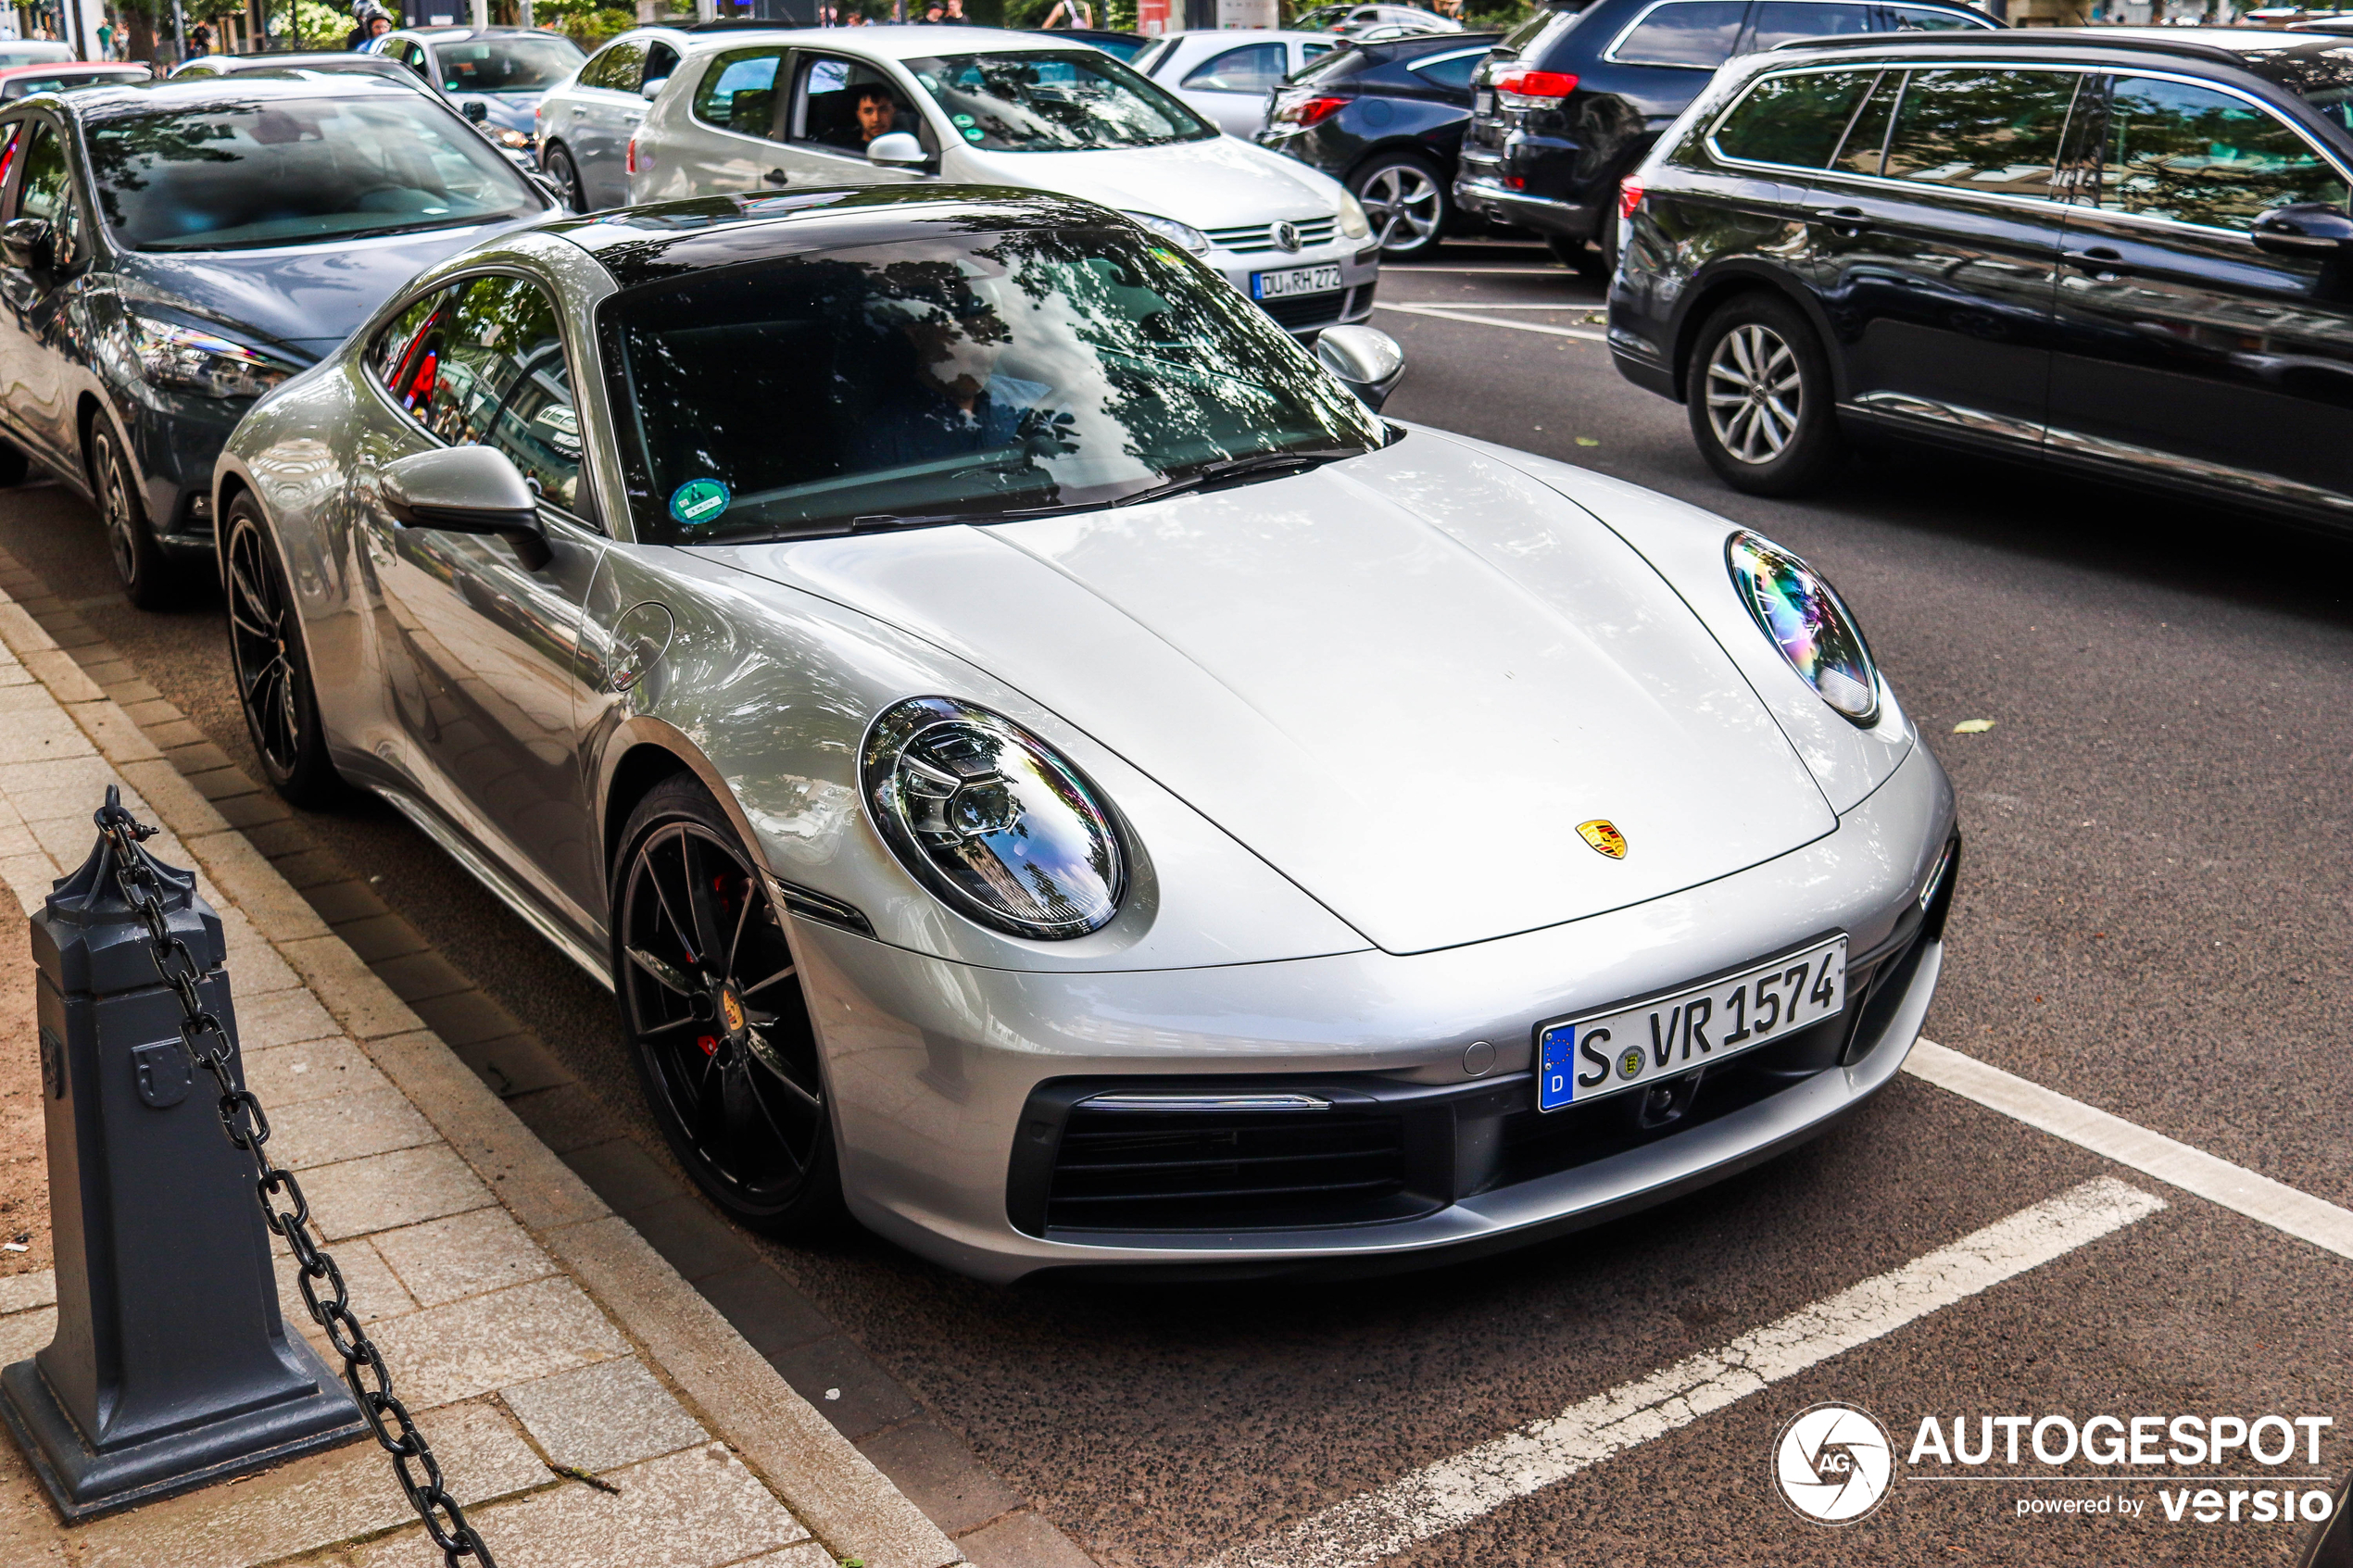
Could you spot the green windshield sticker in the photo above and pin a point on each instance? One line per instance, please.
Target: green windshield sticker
(961, 118)
(698, 501)
(972, 133)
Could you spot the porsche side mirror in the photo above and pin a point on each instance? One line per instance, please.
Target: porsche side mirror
(468, 490)
(477, 111)
(27, 242)
(897, 149)
(2313, 229)
(1368, 362)
(652, 90)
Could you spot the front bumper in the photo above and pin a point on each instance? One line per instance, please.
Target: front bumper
(1305, 315)
(175, 440)
(952, 1086)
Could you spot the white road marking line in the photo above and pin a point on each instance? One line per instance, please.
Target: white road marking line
(1424, 304)
(1407, 270)
(2235, 1188)
(1452, 313)
(1453, 1492)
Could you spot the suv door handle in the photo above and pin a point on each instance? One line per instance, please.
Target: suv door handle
(776, 177)
(1846, 221)
(2096, 259)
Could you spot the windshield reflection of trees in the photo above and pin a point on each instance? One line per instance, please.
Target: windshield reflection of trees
(1138, 369)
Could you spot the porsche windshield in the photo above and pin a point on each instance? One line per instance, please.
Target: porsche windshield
(944, 381)
(1060, 103)
(284, 171)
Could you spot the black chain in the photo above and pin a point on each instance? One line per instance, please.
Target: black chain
(248, 1128)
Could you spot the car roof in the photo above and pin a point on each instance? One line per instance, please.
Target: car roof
(51, 68)
(901, 42)
(204, 92)
(458, 34)
(667, 240)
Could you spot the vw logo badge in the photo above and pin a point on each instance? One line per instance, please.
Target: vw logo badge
(1833, 1463)
(1287, 235)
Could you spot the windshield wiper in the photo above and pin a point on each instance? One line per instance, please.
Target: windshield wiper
(1234, 470)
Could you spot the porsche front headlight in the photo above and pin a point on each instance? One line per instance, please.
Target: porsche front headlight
(1805, 617)
(187, 359)
(999, 825)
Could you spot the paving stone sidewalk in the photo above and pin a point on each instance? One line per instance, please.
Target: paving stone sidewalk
(526, 1327)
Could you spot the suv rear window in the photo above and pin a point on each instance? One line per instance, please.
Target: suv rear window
(1778, 21)
(1973, 128)
(1684, 32)
(1795, 120)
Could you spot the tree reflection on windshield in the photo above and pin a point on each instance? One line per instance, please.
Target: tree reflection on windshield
(1043, 368)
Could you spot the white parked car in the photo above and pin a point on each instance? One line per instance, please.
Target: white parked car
(1227, 72)
(788, 110)
(586, 124)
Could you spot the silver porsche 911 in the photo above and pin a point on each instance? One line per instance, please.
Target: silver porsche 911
(1049, 771)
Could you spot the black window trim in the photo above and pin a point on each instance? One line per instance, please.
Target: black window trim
(383, 323)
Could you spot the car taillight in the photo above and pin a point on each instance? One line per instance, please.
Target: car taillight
(632, 154)
(1629, 196)
(1304, 112)
(1534, 89)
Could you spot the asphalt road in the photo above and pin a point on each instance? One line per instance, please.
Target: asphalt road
(2155, 916)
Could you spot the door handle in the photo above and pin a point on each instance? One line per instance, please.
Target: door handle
(1846, 221)
(2094, 260)
(776, 177)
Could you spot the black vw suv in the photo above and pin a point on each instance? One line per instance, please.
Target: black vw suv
(2124, 251)
(1570, 100)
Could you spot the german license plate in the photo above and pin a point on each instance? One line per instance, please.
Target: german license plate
(1585, 1059)
(1296, 281)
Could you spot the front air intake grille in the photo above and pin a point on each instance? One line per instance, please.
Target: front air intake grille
(1153, 1170)
(1303, 311)
(1253, 238)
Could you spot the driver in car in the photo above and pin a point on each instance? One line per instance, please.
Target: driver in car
(956, 402)
(877, 110)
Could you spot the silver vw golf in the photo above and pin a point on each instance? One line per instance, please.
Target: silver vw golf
(1047, 770)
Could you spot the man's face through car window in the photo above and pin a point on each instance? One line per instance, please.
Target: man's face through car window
(877, 112)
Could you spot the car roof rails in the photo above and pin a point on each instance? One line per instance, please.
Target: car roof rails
(2026, 39)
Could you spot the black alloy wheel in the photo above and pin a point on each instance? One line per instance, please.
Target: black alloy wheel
(559, 167)
(1408, 203)
(273, 669)
(137, 561)
(712, 998)
(1758, 392)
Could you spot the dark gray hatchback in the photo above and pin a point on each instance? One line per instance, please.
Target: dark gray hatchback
(2123, 251)
(170, 252)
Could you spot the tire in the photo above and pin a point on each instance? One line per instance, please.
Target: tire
(145, 576)
(558, 166)
(1406, 198)
(1757, 388)
(722, 1040)
(271, 666)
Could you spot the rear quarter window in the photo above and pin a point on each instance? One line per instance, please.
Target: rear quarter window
(1696, 33)
(1792, 120)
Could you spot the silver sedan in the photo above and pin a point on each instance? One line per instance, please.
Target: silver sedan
(1050, 772)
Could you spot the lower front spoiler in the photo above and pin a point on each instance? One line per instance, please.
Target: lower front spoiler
(1549, 1206)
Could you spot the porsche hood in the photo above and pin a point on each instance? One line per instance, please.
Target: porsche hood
(1406, 680)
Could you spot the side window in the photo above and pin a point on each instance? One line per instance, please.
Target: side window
(45, 190)
(845, 105)
(593, 73)
(738, 92)
(2198, 156)
(1795, 120)
(1313, 51)
(1865, 144)
(482, 362)
(1253, 70)
(413, 56)
(1778, 21)
(624, 65)
(1684, 32)
(1914, 18)
(1452, 73)
(1982, 130)
(661, 60)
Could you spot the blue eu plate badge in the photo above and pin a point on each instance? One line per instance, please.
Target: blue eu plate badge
(1556, 1067)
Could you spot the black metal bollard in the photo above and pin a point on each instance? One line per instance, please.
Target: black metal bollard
(172, 1367)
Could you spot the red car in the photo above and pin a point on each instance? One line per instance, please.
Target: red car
(59, 76)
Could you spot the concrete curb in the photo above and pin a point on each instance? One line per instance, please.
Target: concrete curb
(828, 1484)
